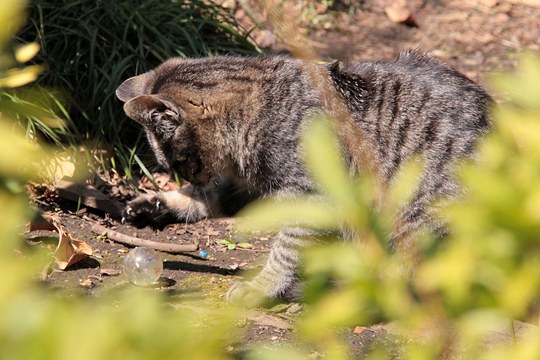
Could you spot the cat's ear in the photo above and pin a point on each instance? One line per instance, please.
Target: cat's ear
(143, 108)
(334, 66)
(133, 87)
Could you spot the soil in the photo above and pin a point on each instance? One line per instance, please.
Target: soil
(476, 37)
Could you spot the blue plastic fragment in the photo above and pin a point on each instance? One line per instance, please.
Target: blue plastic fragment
(203, 254)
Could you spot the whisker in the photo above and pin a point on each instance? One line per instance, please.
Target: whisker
(210, 213)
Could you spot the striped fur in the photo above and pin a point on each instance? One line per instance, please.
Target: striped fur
(232, 127)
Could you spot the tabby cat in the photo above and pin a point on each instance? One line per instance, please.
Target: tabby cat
(231, 126)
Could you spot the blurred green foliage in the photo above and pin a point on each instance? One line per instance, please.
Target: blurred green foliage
(467, 287)
(89, 47)
(483, 275)
(37, 324)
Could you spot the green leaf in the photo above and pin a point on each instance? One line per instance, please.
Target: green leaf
(244, 245)
(325, 161)
(229, 244)
(272, 214)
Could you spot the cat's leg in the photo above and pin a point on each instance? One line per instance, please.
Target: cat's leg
(190, 204)
(279, 273)
(220, 197)
(419, 217)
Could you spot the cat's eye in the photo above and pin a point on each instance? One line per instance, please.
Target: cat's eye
(195, 102)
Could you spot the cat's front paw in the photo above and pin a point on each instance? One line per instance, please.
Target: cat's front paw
(246, 293)
(140, 211)
(147, 210)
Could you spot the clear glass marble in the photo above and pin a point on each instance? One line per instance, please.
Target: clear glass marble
(143, 266)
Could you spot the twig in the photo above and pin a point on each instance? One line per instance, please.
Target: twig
(134, 241)
(253, 250)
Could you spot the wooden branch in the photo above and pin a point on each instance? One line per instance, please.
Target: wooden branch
(87, 195)
(134, 241)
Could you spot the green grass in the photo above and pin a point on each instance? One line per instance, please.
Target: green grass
(89, 47)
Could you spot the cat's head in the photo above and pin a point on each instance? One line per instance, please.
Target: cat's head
(171, 117)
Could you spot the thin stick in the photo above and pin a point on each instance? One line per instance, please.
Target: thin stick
(134, 241)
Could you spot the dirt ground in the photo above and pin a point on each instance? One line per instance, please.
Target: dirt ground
(476, 37)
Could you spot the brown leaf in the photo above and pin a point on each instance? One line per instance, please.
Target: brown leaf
(70, 251)
(359, 329)
(90, 282)
(87, 195)
(109, 272)
(399, 13)
(39, 222)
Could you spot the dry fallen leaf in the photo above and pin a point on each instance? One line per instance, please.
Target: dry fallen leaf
(359, 329)
(41, 222)
(90, 281)
(109, 272)
(69, 250)
(399, 13)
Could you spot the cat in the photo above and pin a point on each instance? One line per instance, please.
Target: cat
(231, 126)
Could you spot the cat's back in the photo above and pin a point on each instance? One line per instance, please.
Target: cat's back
(409, 66)
(419, 77)
(415, 88)
(215, 71)
(414, 104)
